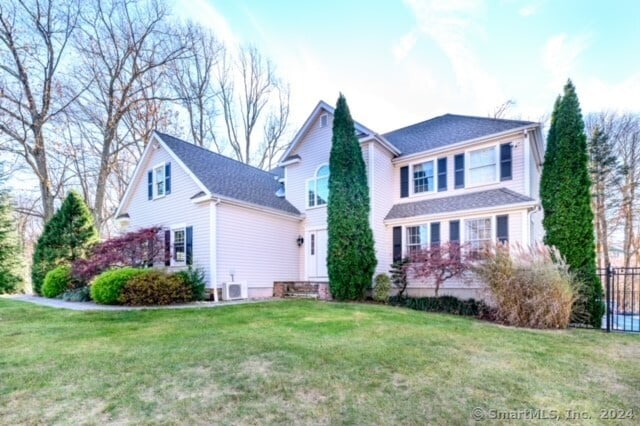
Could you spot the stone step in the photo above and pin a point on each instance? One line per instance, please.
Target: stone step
(298, 295)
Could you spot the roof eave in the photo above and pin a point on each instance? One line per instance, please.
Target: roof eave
(486, 138)
(443, 215)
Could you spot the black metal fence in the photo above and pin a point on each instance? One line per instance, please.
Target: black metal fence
(622, 293)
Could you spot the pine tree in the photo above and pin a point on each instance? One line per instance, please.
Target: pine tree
(10, 250)
(351, 256)
(565, 192)
(66, 237)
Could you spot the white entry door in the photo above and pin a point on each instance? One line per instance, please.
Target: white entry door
(317, 254)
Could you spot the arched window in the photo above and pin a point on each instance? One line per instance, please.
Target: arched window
(318, 187)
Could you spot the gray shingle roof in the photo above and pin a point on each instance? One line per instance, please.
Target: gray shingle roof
(446, 130)
(229, 178)
(474, 200)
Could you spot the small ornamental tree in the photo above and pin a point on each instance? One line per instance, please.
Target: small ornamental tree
(565, 193)
(68, 236)
(438, 263)
(135, 249)
(351, 256)
(10, 251)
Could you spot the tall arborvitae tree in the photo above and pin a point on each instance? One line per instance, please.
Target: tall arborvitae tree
(565, 192)
(66, 237)
(10, 250)
(351, 258)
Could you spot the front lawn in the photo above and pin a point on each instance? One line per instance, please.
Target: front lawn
(300, 362)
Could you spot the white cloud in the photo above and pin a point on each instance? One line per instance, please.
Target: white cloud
(205, 13)
(529, 9)
(597, 95)
(455, 26)
(404, 47)
(560, 55)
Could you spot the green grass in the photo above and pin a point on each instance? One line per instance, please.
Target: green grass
(299, 362)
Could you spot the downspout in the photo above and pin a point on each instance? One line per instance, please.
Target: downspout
(213, 250)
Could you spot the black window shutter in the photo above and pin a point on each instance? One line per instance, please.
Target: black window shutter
(397, 243)
(167, 178)
(404, 181)
(167, 248)
(458, 162)
(442, 174)
(454, 231)
(505, 161)
(435, 234)
(150, 184)
(502, 225)
(189, 247)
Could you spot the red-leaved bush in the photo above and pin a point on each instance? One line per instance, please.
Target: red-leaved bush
(439, 263)
(135, 249)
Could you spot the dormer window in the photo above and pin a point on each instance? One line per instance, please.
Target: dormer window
(324, 120)
(318, 187)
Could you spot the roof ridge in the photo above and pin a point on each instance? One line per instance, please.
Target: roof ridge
(477, 117)
(216, 153)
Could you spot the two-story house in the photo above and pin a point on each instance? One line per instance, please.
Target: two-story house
(459, 178)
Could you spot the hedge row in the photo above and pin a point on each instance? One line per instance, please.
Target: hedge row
(444, 304)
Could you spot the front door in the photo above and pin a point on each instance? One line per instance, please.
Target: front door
(317, 254)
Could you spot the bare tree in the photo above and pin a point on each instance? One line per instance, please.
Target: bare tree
(621, 199)
(503, 109)
(34, 35)
(247, 101)
(122, 42)
(193, 81)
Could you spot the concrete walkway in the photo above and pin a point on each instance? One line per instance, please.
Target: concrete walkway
(92, 306)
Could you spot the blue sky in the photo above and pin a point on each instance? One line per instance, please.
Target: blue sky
(400, 62)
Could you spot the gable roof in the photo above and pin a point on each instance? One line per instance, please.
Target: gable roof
(228, 178)
(449, 129)
(321, 107)
(475, 200)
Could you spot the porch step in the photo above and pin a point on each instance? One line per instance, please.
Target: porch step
(304, 295)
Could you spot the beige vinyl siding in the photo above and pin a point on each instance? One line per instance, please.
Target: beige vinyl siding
(381, 203)
(517, 183)
(467, 286)
(256, 247)
(175, 208)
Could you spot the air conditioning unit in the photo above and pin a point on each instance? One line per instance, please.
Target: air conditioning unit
(234, 291)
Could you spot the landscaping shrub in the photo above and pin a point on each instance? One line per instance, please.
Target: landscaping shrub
(107, 287)
(444, 304)
(81, 294)
(155, 288)
(382, 287)
(194, 277)
(67, 236)
(57, 281)
(135, 249)
(399, 277)
(532, 287)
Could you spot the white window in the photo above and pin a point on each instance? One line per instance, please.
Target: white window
(423, 177)
(159, 180)
(324, 119)
(482, 166)
(179, 246)
(478, 233)
(318, 188)
(417, 238)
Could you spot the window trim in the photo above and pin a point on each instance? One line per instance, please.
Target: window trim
(176, 228)
(323, 117)
(154, 169)
(434, 175)
(422, 245)
(467, 167)
(314, 181)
